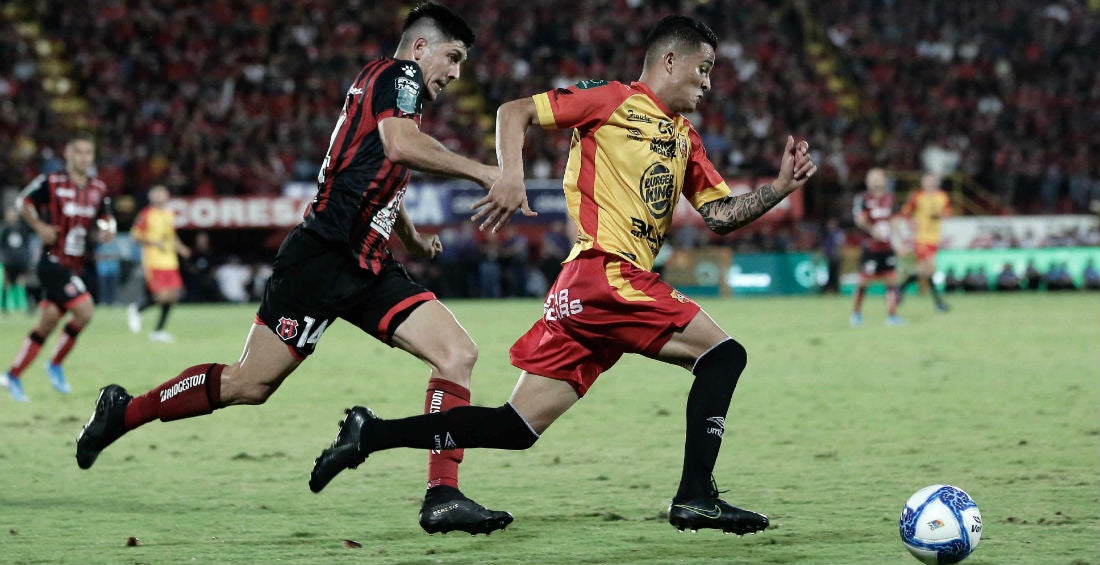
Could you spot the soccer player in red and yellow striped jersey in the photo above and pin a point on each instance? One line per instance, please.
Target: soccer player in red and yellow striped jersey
(155, 230)
(633, 156)
(926, 208)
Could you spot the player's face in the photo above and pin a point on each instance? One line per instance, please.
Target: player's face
(158, 196)
(876, 181)
(930, 182)
(80, 156)
(441, 64)
(691, 74)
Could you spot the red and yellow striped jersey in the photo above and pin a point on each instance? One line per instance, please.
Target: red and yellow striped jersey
(157, 226)
(927, 209)
(629, 161)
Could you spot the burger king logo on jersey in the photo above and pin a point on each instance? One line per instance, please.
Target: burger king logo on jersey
(656, 188)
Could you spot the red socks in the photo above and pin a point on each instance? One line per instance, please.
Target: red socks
(443, 465)
(194, 392)
(66, 343)
(26, 354)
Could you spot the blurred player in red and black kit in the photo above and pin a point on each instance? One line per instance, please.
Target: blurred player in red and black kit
(607, 301)
(873, 212)
(66, 210)
(336, 264)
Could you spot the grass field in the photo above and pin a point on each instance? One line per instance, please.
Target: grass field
(831, 429)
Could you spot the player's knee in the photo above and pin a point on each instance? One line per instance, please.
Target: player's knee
(729, 353)
(458, 361)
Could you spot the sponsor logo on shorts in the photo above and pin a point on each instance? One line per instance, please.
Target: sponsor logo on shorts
(558, 306)
(288, 328)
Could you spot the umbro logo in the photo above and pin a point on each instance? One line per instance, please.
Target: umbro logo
(712, 514)
(719, 423)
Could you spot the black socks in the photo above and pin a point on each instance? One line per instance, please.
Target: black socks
(459, 427)
(716, 373)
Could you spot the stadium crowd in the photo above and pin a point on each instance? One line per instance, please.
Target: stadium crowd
(237, 97)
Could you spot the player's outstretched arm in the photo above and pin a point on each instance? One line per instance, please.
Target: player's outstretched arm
(509, 193)
(733, 212)
(406, 145)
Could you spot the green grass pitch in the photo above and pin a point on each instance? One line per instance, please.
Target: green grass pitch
(831, 429)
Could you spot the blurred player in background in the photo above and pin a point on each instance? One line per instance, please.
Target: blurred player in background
(873, 212)
(925, 209)
(607, 301)
(66, 210)
(155, 230)
(336, 264)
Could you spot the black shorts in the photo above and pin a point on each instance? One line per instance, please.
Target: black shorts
(877, 263)
(314, 283)
(59, 284)
(15, 269)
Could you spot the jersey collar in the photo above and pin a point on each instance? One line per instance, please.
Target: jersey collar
(645, 90)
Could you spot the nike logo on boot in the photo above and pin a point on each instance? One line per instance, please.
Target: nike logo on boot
(713, 514)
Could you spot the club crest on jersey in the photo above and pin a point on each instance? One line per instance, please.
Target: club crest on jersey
(288, 328)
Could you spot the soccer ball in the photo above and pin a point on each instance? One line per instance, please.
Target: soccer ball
(940, 524)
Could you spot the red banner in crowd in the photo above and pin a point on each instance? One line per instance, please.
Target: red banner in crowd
(429, 205)
(226, 212)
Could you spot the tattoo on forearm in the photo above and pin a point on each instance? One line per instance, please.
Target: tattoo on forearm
(732, 212)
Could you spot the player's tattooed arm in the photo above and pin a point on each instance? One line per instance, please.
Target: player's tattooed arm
(733, 212)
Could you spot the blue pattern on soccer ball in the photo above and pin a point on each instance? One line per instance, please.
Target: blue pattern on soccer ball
(908, 523)
(955, 498)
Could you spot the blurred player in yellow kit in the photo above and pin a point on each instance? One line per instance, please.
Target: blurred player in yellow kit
(925, 209)
(155, 230)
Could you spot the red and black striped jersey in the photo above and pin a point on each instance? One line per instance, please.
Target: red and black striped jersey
(359, 190)
(878, 209)
(73, 209)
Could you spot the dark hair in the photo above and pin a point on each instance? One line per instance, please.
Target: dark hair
(682, 31)
(450, 24)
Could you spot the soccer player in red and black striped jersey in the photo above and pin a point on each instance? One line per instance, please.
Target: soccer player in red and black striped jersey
(873, 212)
(336, 264)
(633, 156)
(69, 211)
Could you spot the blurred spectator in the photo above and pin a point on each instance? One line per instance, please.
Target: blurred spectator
(108, 264)
(233, 279)
(976, 279)
(556, 244)
(16, 241)
(951, 280)
(832, 242)
(1091, 276)
(1007, 279)
(1059, 278)
(1033, 278)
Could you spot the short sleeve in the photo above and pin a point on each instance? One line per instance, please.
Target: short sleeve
(584, 105)
(37, 192)
(398, 91)
(702, 182)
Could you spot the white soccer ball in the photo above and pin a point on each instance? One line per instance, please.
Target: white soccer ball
(940, 524)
